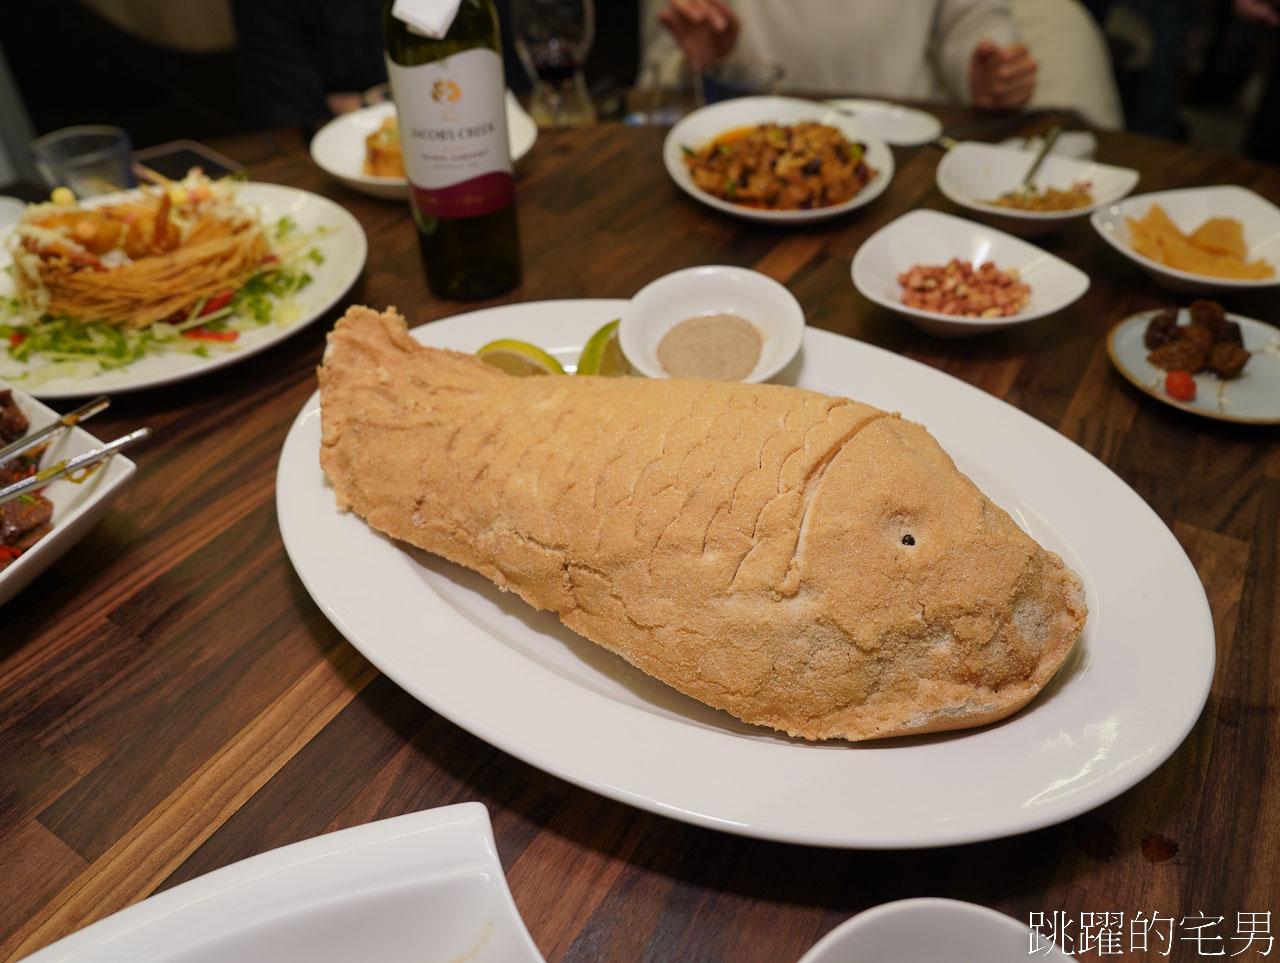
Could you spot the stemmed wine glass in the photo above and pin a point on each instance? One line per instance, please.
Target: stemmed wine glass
(552, 39)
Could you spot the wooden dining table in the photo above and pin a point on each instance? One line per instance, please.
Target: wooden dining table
(172, 700)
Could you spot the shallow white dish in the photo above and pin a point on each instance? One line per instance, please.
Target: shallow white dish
(338, 148)
(1252, 398)
(523, 682)
(928, 930)
(896, 125)
(425, 886)
(712, 289)
(707, 123)
(344, 247)
(970, 174)
(1188, 208)
(76, 507)
(928, 237)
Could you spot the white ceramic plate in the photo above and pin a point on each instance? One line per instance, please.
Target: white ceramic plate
(523, 682)
(971, 174)
(1252, 398)
(928, 930)
(338, 147)
(712, 289)
(76, 506)
(344, 247)
(1188, 208)
(426, 886)
(928, 237)
(707, 123)
(896, 125)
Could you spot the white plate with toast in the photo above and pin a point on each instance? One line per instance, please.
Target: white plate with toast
(523, 682)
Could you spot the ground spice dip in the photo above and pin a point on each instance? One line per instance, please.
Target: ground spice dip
(718, 347)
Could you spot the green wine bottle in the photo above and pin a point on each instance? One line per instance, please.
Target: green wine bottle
(451, 99)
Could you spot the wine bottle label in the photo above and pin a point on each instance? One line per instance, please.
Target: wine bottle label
(453, 131)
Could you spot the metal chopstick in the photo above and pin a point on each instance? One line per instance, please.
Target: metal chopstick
(79, 462)
(26, 443)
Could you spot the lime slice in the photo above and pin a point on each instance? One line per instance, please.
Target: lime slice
(602, 355)
(519, 358)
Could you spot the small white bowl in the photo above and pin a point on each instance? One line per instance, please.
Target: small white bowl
(930, 237)
(972, 174)
(338, 148)
(930, 929)
(712, 289)
(706, 124)
(77, 507)
(1188, 208)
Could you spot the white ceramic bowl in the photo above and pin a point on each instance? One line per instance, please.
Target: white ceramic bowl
(929, 930)
(712, 289)
(704, 125)
(930, 237)
(338, 148)
(76, 507)
(1188, 208)
(971, 174)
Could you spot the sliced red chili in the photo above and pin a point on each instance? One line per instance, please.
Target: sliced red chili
(217, 303)
(201, 333)
(16, 338)
(8, 552)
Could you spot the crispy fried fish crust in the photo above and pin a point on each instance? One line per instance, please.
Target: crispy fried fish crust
(804, 562)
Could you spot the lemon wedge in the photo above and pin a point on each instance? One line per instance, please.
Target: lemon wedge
(602, 355)
(519, 358)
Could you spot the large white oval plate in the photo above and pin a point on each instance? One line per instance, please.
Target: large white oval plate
(343, 245)
(518, 679)
(707, 123)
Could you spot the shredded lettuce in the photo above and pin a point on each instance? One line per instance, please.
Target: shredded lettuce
(55, 346)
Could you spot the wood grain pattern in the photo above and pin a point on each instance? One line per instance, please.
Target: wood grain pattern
(171, 700)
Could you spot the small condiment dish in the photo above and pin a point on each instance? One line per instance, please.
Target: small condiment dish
(930, 237)
(1188, 208)
(972, 175)
(712, 289)
(928, 929)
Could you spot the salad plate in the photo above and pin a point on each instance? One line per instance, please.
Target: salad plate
(330, 229)
(424, 886)
(520, 680)
(338, 148)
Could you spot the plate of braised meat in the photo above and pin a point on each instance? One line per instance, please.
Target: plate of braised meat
(39, 525)
(1202, 359)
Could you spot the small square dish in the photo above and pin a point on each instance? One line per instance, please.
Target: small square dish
(1188, 209)
(925, 237)
(975, 175)
(77, 506)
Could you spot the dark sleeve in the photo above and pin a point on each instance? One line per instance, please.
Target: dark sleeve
(280, 69)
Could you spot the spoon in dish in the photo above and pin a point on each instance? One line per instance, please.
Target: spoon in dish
(1028, 182)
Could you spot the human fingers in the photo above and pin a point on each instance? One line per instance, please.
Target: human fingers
(1016, 92)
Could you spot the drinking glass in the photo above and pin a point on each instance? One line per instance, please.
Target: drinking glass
(552, 39)
(90, 159)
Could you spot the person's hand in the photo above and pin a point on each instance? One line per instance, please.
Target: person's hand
(706, 30)
(1001, 78)
(1266, 12)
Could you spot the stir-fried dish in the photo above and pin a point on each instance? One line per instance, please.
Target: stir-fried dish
(26, 519)
(180, 267)
(781, 168)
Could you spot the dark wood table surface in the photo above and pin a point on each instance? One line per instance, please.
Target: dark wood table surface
(171, 699)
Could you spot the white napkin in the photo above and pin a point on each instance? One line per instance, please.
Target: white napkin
(432, 17)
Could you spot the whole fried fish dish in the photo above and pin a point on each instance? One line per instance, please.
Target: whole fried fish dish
(801, 561)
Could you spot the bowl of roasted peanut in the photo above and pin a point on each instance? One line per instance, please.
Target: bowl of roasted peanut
(955, 278)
